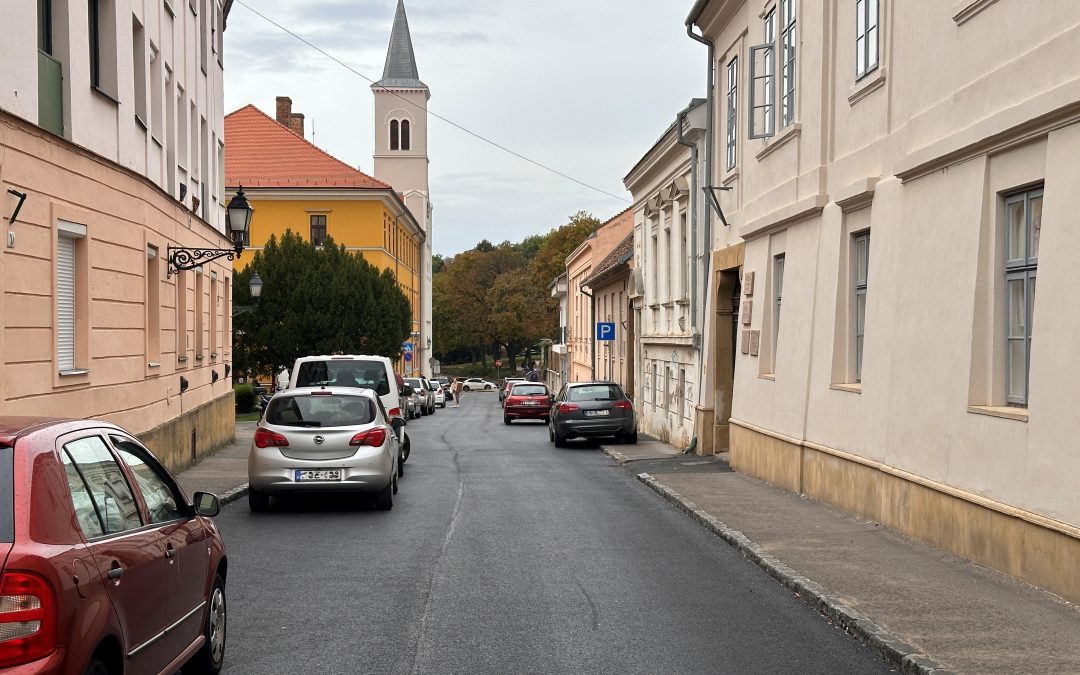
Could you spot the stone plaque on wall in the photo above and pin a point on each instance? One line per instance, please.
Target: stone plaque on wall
(748, 283)
(745, 342)
(746, 312)
(755, 342)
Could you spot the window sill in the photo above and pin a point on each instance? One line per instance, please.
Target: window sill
(104, 93)
(181, 359)
(767, 376)
(968, 9)
(141, 122)
(1005, 412)
(156, 140)
(869, 84)
(198, 357)
(74, 372)
(850, 387)
(213, 356)
(154, 364)
(770, 145)
(169, 8)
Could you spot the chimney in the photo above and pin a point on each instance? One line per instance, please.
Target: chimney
(284, 110)
(296, 123)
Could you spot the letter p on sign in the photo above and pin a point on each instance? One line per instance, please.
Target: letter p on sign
(605, 330)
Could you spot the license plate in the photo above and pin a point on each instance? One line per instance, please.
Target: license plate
(321, 474)
(528, 403)
(597, 413)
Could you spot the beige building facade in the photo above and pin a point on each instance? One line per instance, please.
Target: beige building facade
(581, 299)
(111, 152)
(891, 166)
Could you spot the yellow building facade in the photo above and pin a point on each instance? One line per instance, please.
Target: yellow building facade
(294, 185)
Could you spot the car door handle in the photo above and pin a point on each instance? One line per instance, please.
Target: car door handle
(115, 573)
(170, 551)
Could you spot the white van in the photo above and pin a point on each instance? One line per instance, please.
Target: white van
(348, 370)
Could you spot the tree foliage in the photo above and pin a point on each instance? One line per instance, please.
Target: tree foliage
(498, 297)
(316, 301)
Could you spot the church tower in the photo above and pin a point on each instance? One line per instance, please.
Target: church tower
(401, 158)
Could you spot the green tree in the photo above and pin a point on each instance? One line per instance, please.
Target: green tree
(316, 301)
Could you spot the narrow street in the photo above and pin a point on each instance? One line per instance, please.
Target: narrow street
(505, 555)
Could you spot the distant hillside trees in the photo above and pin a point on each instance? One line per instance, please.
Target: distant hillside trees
(497, 297)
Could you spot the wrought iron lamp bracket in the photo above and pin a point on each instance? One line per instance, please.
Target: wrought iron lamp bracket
(181, 259)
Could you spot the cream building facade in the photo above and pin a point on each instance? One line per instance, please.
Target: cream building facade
(892, 164)
(111, 152)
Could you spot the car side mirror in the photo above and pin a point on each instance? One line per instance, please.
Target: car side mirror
(397, 424)
(551, 398)
(207, 504)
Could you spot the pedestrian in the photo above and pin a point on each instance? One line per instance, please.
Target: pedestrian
(456, 387)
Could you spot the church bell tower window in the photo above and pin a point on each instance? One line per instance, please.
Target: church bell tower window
(393, 134)
(405, 134)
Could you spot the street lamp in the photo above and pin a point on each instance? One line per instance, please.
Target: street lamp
(237, 217)
(255, 286)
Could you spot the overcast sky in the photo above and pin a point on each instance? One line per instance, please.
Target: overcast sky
(583, 86)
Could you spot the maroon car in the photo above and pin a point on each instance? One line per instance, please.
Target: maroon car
(106, 567)
(527, 401)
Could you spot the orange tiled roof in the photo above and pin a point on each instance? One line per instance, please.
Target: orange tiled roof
(259, 152)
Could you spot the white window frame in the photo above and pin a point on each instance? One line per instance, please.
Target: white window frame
(867, 37)
(732, 111)
(67, 297)
(1021, 269)
(787, 62)
(860, 273)
(778, 292)
(763, 80)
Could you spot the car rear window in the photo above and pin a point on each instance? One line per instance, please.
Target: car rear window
(7, 494)
(595, 392)
(414, 383)
(320, 411)
(528, 390)
(344, 373)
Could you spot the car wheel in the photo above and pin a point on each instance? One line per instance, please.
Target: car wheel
(544, 420)
(208, 660)
(560, 440)
(96, 667)
(551, 434)
(631, 438)
(384, 499)
(506, 419)
(406, 448)
(393, 479)
(257, 501)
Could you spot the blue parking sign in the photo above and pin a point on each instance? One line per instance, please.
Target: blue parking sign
(605, 330)
(407, 346)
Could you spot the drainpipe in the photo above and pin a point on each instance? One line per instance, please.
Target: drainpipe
(706, 216)
(592, 336)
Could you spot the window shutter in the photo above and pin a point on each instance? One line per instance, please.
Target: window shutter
(762, 90)
(65, 303)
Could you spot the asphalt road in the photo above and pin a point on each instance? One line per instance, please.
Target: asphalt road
(503, 554)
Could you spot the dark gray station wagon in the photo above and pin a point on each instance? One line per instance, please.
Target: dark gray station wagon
(589, 410)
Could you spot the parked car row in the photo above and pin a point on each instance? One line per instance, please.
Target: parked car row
(579, 410)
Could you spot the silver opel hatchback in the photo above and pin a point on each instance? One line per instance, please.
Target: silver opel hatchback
(324, 440)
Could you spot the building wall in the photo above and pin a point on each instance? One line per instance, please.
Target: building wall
(612, 357)
(158, 108)
(131, 351)
(579, 316)
(922, 154)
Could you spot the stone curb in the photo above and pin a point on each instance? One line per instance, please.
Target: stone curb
(233, 494)
(899, 654)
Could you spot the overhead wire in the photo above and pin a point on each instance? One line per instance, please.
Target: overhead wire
(428, 110)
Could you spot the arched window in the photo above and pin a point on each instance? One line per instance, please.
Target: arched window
(393, 134)
(404, 134)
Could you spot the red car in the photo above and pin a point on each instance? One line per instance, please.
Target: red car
(106, 567)
(527, 400)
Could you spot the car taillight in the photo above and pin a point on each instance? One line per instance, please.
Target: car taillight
(264, 438)
(568, 408)
(27, 618)
(394, 412)
(624, 405)
(373, 437)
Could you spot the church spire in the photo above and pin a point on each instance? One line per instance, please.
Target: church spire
(400, 69)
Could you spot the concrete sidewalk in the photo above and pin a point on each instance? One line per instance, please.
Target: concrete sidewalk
(924, 609)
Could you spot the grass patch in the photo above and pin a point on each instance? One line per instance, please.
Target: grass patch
(248, 417)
